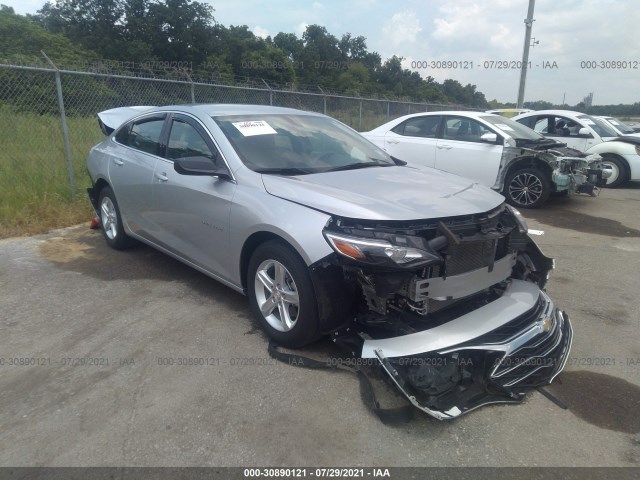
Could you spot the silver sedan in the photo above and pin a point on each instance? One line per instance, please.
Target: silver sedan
(428, 274)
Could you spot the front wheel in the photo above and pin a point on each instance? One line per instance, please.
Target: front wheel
(281, 295)
(619, 172)
(527, 188)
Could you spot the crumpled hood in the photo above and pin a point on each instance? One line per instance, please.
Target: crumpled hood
(385, 193)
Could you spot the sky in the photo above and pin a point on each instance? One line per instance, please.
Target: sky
(475, 33)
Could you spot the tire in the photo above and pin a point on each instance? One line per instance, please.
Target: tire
(287, 309)
(620, 170)
(111, 221)
(527, 188)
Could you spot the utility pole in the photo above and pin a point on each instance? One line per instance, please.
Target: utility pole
(525, 53)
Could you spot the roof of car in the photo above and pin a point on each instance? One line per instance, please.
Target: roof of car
(468, 113)
(508, 110)
(552, 112)
(220, 109)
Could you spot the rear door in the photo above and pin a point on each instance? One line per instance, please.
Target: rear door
(191, 213)
(414, 140)
(131, 165)
(462, 151)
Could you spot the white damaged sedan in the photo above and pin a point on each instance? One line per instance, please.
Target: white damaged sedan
(494, 151)
(592, 135)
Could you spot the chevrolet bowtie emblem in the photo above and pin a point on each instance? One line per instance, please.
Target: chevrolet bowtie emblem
(547, 324)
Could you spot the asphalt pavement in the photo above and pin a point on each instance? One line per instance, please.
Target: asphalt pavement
(130, 358)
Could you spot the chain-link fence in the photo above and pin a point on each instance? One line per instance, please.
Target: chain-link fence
(48, 118)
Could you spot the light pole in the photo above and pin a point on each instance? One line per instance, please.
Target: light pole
(525, 53)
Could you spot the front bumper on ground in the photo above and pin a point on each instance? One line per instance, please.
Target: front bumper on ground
(491, 355)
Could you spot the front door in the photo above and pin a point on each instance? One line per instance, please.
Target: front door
(462, 151)
(191, 213)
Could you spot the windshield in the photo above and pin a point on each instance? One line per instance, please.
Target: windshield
(298, 144)
(621, 126)
(600, 126)
(512, 128)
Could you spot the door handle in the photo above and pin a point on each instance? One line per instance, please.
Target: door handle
(393, 141)
(162, 176)
(118, 162)
(445, 147)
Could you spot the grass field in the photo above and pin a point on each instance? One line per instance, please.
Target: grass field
(35, 194)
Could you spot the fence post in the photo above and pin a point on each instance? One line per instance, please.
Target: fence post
(360, 117)
(270, 92)
(324, 100)
(65, 130)
(193, 90)
(388, 105)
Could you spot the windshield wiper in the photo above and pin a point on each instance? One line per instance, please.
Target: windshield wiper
(355, 166)
(283, 171)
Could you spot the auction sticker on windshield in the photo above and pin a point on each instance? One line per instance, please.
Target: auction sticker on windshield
(254, 127)
(502, 126)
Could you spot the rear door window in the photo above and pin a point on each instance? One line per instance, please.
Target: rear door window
(145, 135)
(426, 127)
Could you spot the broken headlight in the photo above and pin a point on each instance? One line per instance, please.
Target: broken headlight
(380, 252)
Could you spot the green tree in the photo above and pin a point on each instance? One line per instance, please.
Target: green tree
(355, 81)
(321, 58)
(94, 24)
(22, 40)
(180, 30)
(290, 44)
(268, 63)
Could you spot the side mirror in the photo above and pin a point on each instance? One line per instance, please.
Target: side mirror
(199, 166)
(584, 133)
(489, 138)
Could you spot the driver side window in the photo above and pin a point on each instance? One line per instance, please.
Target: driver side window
(464, 129)
(186, 141)
(555, 126)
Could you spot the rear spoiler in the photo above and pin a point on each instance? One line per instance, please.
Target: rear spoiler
(109, 120)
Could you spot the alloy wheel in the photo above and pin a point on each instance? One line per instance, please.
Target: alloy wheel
(525, 189)
(277, 295)
(109, 218)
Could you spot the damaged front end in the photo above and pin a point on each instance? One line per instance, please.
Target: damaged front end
(452, 309)
(571, 170)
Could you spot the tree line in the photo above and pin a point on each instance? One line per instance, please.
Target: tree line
(185, 32)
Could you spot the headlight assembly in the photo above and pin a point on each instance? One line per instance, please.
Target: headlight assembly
(380, 252)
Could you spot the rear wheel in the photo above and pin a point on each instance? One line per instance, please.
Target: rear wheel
(527, 188)
(281, 295)
(619, 171)
(111, 221)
